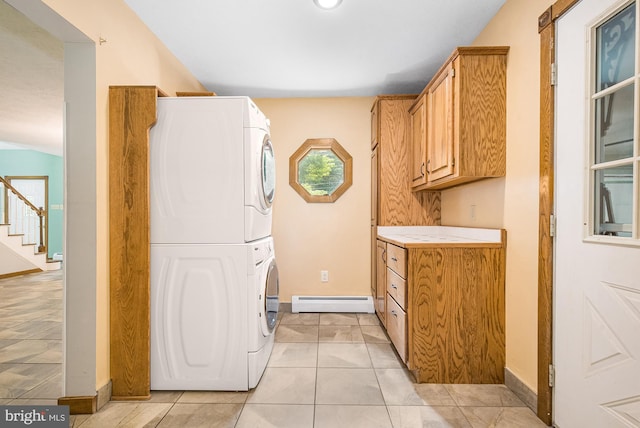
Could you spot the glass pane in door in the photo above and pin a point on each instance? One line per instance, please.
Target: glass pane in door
(614, 204)
(268, 172)
(615, 41)
(614, 125)
(272, 300)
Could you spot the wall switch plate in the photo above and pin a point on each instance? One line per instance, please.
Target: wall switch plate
(324, 276)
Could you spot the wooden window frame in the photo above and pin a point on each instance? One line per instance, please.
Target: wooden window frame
(321, 144)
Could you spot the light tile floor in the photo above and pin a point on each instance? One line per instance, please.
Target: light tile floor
(326, 371)
(31, 339)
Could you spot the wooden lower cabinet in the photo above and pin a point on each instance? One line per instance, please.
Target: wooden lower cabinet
(397, 327)
(396, 314)
(452, 327)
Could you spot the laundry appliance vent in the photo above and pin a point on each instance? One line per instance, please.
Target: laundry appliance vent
(332, 304)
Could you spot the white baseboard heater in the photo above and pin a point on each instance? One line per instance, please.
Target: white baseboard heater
(332, 304)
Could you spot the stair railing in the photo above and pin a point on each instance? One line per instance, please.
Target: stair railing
(15, 208)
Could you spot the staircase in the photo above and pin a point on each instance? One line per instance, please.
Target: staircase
(22, 257)
(18, 251)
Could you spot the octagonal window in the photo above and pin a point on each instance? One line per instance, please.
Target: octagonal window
(320, 170)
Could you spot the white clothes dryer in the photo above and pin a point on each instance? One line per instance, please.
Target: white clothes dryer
(212, 171)
(213, 315)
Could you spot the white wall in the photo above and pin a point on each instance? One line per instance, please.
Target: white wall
(10, 262)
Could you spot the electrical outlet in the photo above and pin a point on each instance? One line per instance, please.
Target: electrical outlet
(472, 213)
(324, 276)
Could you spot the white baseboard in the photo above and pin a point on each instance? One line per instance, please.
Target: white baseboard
(363, 304)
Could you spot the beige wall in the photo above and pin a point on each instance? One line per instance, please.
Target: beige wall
(310, 237)
(131, 55)
(512, 202)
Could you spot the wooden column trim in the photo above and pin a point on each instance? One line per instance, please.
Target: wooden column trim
(560, 7)
(80, 405)
(132, 112)
(545, 19)
(545, 248)
(547, 29)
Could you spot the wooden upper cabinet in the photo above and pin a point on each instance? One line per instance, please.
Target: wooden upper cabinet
(466, 118)
(440, 144)
(418, 114)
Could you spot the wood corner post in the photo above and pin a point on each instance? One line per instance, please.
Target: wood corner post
(132, 112)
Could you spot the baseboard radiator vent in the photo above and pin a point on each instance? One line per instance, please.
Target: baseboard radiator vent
(362, 304)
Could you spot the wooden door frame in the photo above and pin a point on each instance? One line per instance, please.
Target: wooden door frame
(547, 31)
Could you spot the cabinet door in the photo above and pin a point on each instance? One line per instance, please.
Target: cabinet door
(440, 142)
(374, 125)
(381, 280)
(418, 142)
(374, 218)
(374, 187)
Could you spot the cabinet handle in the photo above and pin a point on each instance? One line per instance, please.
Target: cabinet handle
(422, 170)
(428, 162)
(394, 286)
(394, 313)
(394, 259)
(384, 256)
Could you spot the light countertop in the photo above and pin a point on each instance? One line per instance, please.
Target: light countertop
(418, 236)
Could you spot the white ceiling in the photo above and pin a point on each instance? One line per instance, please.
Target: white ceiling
(31, 84)
(291, 48)
(259, 48)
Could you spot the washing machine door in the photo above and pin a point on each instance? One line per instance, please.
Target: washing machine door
(268, 172)
(271, 300)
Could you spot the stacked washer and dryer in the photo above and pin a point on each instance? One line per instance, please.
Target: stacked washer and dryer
(214, 280)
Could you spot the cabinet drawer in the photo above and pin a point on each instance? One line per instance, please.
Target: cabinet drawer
(396, 287)
(397, 260)
(397, 327)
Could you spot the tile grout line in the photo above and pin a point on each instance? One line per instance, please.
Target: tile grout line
(315, 389)
(170, 408)
(375, 372)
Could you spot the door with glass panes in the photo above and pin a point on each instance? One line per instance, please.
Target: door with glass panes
(596, 349)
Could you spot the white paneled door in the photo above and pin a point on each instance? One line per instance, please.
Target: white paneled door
(597, 250)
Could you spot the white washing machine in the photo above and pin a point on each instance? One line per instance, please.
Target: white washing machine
(212, 171)
(213, 315)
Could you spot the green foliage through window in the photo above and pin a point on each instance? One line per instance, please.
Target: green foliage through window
(320, 172)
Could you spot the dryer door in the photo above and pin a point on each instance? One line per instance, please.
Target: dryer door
(259, 186)
(271, 300)
(268, 172)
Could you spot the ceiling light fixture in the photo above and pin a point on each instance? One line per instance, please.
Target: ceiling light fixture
(327, 4)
